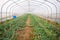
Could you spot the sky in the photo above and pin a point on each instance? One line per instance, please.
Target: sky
(38, 7)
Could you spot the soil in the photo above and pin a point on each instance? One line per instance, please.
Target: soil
(26, 33)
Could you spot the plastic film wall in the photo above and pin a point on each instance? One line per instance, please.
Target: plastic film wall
(48, 9)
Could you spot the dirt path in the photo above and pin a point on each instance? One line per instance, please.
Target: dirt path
(26, 33)
(27, 30)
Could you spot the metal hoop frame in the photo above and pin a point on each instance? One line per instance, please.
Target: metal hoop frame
(58, 1)
(28, 8)
(9, 6)
(34, 5)
(40, 4)
(2, 8)
(54, 6)
(15, 5)
(44, 4)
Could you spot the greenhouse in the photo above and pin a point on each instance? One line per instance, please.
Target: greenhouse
(29, 19)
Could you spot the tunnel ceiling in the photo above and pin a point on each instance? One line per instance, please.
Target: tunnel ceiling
(26, 5)
(42, 7)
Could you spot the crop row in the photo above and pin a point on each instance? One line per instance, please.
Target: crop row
(44, 30)
(7, 30)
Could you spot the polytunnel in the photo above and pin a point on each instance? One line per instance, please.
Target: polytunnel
(29, 19)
